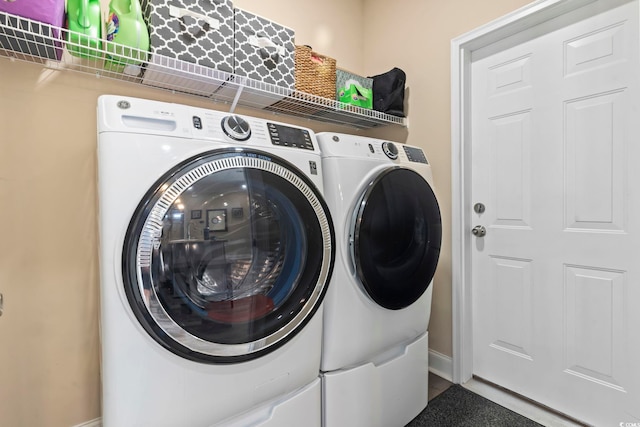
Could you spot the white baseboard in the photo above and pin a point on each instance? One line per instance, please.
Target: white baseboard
(441, 365)
(97, 422)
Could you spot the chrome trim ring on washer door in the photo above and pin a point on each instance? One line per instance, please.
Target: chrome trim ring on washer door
(181, 300)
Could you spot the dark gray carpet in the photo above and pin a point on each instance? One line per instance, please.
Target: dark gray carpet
(457, 406)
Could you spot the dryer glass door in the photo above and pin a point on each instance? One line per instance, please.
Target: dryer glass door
(228, 256)
(396, 237)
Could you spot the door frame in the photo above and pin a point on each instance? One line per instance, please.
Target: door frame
(512, 25)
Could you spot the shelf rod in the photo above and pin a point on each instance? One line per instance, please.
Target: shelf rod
(238, 93)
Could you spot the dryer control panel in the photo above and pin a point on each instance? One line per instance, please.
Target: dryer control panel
(415, 154)
(390, 150)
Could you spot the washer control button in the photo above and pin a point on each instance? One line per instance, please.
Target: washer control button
(197, 122)
(390, 149)
(236, 128)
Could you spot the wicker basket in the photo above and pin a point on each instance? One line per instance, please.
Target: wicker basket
(315, 74)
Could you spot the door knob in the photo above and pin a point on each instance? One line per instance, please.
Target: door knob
(1, 303)
(479, 231)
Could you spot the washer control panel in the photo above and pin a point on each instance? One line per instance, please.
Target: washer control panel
(289, 136)
(249, 131)
(235, 127)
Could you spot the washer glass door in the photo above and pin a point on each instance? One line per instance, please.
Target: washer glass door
(396, 236)
(228, 256)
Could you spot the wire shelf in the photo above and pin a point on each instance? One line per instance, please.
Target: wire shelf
(58, 48)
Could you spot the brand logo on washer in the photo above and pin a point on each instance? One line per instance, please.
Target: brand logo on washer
(124, 104)
(313, 168)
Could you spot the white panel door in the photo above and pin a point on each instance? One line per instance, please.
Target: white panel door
(556, 164)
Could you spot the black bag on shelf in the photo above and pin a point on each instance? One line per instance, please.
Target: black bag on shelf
(388, 92)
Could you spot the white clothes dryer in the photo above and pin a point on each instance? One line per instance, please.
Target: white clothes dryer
(216, 248)
(376, 315)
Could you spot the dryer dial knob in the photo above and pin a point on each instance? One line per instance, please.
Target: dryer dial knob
(390, 149)
(236, 128)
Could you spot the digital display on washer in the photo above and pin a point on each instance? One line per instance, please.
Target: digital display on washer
(289, 137)
(415, 155)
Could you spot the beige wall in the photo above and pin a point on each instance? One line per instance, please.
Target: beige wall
(49, 342)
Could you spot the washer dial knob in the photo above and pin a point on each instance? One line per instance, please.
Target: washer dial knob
(236, 128)
(390, 149)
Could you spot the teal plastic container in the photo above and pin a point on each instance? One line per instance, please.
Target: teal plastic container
(127, 42)
(85, 28)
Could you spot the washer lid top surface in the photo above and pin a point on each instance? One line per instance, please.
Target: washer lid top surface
(396, 235)
(228, 256)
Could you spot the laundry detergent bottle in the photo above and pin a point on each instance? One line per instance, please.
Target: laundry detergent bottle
(127, 42)
(85, 28)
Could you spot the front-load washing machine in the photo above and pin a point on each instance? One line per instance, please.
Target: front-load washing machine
(216, 248)
(376, 314)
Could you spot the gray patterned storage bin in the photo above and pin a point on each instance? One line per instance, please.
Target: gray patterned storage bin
(264, 50)
(199, 32)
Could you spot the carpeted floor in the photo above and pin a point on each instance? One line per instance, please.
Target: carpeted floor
(458, 406)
